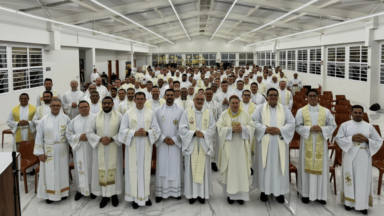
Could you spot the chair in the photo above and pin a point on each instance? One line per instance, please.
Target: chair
(331, 145)
(338, 159)
(71, 167)
(8, 131)
(378, 162)
(332, 171)
(292, 169)
(295, 142)
(27, 159)
(341, 118)
(377, 127)
(365, 117)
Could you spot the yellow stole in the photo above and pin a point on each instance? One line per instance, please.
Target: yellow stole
(16, 117)
(198, 156)
(287, 97)
(314, 167)
(107, 178)
(280, 116)
(251, 107)
(148, 103)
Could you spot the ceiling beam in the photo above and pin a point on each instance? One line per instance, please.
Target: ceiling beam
(88, 6)
(44, 9)
(329, 3)
(159, 13)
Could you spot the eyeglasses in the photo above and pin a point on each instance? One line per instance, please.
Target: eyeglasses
(55, 106)
(107, 103)
(247, 95)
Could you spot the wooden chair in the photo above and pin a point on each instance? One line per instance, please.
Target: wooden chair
(365, 117)
(338, 158)
(341, 118)
(377, 127)
(292, 169)
(378, 162)
(27, 159)
(331, 145)
(332, 171)
(7, 131)
(37, 170)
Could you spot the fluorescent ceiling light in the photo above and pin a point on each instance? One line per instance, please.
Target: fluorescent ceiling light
(223, 19)
(179, 20)
(121, 15)
(279, 18)
(321, 28)
(73, 26)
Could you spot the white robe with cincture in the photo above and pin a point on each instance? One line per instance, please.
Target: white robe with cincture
(138, 152)
(314, 187)
(185, 104)
(169, 168)
(69, 98)
(271, 179)
(41, 111)
(361, 165)
(191, 188)
(94, 140)
(82, 152)
(216, 109)
(51, 141)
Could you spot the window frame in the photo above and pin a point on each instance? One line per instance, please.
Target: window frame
(336, 63)
(5, 71)
(302, 60)
(209, 60)
(360, 64)
(246, 59)
(316, 62)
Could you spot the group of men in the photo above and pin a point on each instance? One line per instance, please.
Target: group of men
(221, 123)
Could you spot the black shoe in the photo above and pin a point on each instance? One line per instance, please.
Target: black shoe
(64, 198)
(158, 199)
(135, 205)
(201, 200)
(251, 171)
(78, 196)
(148, 203)
(230, 201)
(241, 202)
(263, 197)
(305, 200)
(191, 201)
(322, 202)
(347, 208)
(115, 200)
(104, 202)
(214, 167)
(280, 199)
(365, 211)
(32, 173)
(93, 196)
(179, 198)
(48, 201)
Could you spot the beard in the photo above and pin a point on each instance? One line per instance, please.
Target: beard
(107, 109)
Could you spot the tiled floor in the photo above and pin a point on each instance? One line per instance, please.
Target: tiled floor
(217, 205)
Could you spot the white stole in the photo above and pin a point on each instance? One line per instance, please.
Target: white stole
(287, 97)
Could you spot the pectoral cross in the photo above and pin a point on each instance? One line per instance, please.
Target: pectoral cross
(175, 122)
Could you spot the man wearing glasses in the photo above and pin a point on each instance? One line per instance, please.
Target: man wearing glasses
(102, 134)
(82, 150)
(275, 127)
(51, 147)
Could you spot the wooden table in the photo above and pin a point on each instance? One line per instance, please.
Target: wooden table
(7, 207)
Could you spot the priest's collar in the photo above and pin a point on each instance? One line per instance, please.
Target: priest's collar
(232, 114)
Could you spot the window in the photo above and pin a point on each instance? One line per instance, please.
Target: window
(245, 58)
(209, 59)
(358, 58)
(336, 62)
(4, 88)
(158, 60)
(27, 67)
(273, 60)
(315, 61)
(282, 59)
(291, 63)
(265, 59)
(175, 58)
(302, 61)
(229, 57)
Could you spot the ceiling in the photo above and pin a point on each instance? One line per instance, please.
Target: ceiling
(200, 18)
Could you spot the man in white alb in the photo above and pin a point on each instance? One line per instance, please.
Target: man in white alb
(239, 89)
(184, 101)
(103, 92)
(222, 97)
(94, 76)
(130, 103)
(48, 87)
(273, 83)
(295, 84)
(155, 101)
(44, 109)
(285, 96)
(71, 99)
(95, 104)
(256, 97)
(121, 98)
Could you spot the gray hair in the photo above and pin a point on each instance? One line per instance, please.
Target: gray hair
(56, 99)
(98, 78)
(92, 85)
(184, 88)
(199, 94)
(74, 81)
(281, 81)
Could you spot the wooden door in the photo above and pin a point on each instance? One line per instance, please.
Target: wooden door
(109, 70)
(117, 69)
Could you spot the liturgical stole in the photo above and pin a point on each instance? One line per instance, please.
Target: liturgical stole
(280, 118)
(314, 163)
(287, 97)
(148, 104)
(54, 96)
(16, 117)
(198, 155)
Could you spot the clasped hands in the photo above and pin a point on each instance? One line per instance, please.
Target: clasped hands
(225, 101)
(74, 105)
(105, 140)
(272, 131)
(43, 158)
(83, 137)
(315, 128)
(141, 133)
(359, 138)
(199, 134)
(237, 128)
(169, 141)
(23, 123)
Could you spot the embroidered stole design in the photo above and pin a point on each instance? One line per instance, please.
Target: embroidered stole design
(314, 167)
(198, 156)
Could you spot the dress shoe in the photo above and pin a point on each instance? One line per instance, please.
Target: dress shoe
(191, 201)
(64, 198)
(230, 201)
(305, 200)
(158, 199)
(280, 199)
(148, 203)
(93, 196)
(135, 205)
(322, 202)
(214, 167)
(263, 197)
(104, 202)
(365, 211)
(78, 196)
(347, 208)
(241, 202)
(201, 200)
(48, 201)
(179, 198)
(115, 200)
